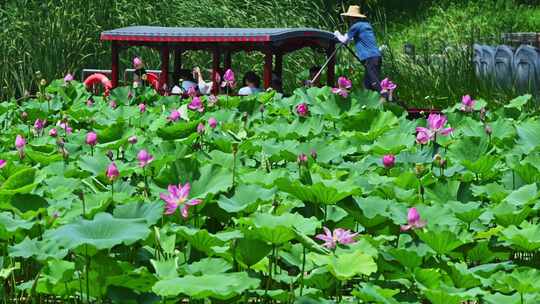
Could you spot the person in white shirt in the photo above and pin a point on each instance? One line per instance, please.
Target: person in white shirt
(187, 81)
(252, 84)
(205, 87)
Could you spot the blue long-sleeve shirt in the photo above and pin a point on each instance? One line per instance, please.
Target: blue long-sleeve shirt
(364, 40)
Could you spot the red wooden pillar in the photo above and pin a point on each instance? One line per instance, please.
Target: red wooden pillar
(331, 69)
(267, 73)
(278, 65)
(115, 50)
(227, 61)
(164, 76)
(216, 58)
(177, 66)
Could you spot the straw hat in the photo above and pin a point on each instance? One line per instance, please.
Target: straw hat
(354, 11)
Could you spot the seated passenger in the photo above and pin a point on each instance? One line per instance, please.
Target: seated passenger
(205, 87)
(252, 84)
(187, 81)
(138, 65)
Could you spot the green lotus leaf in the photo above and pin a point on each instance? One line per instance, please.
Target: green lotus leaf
(204, 241)
(345, 266)
(244, 197)
(166, 269)
(250, 251)
(103, 232)
(373, 293)
(529, 135)
(208, 266)
(11, 223)
(150, 212)
(22, 181)
(442, 242)
(523, 196)
(42, 157)
(526, 237)
(217, 286)
(213, 179)
(178, 130)
(507, 214)
(41, 250)
(325, 192)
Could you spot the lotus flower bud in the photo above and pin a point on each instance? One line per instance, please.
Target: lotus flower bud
(53, 132)
(488, 129)
(132, 139)
(212, 122)
(24, 116)
(302, 159)
(91, 138)
(389, 161)
(314, 154)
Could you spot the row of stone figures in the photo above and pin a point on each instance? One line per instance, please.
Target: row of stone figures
(509, 68)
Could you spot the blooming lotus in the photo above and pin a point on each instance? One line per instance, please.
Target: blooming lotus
(192, 92)
(387, 86)
(175, 115)
(196, 104)
(65, 126)
(388, 161)
(200, 128)
(112, 172)
(137, 63)
(20, 143)
(344, 85)
(212, 122)
(302, 109)
(142, 107)
(228, 79)
(68, 78)
(302, 158)
(39, 124)
(176, 197)
(467, 103)
(339, 236)
(3, 163)
(144, 158)
(91, 138)
(413, 220)
(436, 123)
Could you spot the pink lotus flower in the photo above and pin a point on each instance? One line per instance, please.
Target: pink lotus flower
(388, 161)
(112, 172)
(174, 116)
(178, 196)
(423, 135)
(200, 128)
(436, 123)
(302, 109)
(467, 103)
(3, 163)
(339, 236)
(196, 104)
(137, 63)
(132, 139)
(53, 132)
(192, 92)
(68, 78)
(39, 124)
(212, 122)
(302, 158)
(387, 86)
(228, 79)
(344, 85)
(91, 139)
(20, 142)
(413, 220)
(142, 107)
(65, 126)
(144, 158)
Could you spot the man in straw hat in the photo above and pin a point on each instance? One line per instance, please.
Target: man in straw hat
(366, 46)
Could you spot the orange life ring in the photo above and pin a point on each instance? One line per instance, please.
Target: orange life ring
(97, 78)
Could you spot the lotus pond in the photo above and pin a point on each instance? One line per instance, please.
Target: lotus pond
(313, 198)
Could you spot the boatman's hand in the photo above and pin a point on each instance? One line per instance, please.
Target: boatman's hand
(342, 38)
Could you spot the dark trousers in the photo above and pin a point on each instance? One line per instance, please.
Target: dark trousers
(372, 78)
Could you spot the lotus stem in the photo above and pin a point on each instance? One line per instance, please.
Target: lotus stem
(302, 272)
